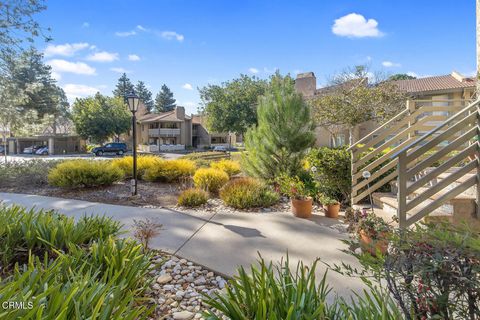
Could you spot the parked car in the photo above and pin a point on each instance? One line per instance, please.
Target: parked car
(111, 148)
(33, 149)
(42, 151)
(220, 148)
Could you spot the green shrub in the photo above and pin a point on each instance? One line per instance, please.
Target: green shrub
(431, 270)
(246, 193)
(84, 173)
(26, 173)
(330, 167)
(229, 166)
(170, 170)
(42, 232)
(203, 155)
(210, 179)
(192, 198)
(278, 292)
(144, 163)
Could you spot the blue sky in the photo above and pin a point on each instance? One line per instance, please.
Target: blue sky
(188, 44)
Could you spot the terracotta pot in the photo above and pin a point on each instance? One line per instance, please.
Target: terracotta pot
(302, 208)
(331, 211)
(372, 246)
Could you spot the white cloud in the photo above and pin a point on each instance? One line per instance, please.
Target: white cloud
(60, 66)
(67, 49)
(355, 25)
(170, 35)
(413, 74)
(78, 91)
(57, 76)
(119, 70)
(103, 56)
(187, 86)
(141, 28)
(253, 70)
(133, 57)
(85, 25)
(125, 33)
(390, 64)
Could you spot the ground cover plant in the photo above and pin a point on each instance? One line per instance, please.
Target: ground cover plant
(68, 269)
(245, 193)
(84, 173)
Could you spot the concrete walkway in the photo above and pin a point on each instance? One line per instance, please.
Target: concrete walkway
(223, 241)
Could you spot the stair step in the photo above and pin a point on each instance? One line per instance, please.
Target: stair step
(388, 202)
(461, 196)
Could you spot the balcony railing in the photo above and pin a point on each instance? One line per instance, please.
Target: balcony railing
(163, 132)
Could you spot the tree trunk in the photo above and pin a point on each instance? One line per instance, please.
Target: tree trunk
(350, 133)
(4, 136)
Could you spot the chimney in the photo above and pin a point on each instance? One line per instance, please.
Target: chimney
(306, 84)
(180, 112)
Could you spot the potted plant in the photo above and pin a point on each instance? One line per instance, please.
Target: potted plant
(299, 195)
(330, 206)
(372, 231)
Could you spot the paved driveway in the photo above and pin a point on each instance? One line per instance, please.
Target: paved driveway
(223, 241)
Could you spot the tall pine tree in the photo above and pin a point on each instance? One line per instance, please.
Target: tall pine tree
(283, 134)
(145, 95)
(164, 100)
(124, 86)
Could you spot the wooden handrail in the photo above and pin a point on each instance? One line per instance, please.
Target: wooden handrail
(435, 130)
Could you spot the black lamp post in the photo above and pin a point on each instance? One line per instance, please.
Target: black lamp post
(133, 101)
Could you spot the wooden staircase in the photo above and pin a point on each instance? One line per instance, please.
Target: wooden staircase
(432, 174)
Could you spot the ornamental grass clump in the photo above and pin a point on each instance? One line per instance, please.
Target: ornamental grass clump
(170, 170)
(193, 198)
(84, 173)
(210, 180)
(229, 166)
(244, 193)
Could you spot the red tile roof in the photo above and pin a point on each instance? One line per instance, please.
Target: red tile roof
(437, 83)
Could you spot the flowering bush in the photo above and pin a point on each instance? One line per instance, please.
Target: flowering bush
(366, 222)
(293, 187)
(192, 198)
(170, 170)
(144, 162)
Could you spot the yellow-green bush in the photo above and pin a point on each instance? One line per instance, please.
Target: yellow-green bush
(170, 170)
(210, 179)
(229, 166)
(192, 198)
(84, 173)
(246, 193)
(144, 163)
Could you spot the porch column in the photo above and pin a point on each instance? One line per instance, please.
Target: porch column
(51, 145)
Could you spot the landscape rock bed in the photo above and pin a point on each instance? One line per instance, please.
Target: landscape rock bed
(178, 288)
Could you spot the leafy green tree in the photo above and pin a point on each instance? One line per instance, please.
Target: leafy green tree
(164, 100)
(100, 117)
(352, 99)
(124, 86)
(231, 106)
(401, 76)
(145, 95)
(18, 26)
(284, 133)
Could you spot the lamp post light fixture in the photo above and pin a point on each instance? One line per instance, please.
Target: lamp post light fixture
(133, 101)
(366, 175)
